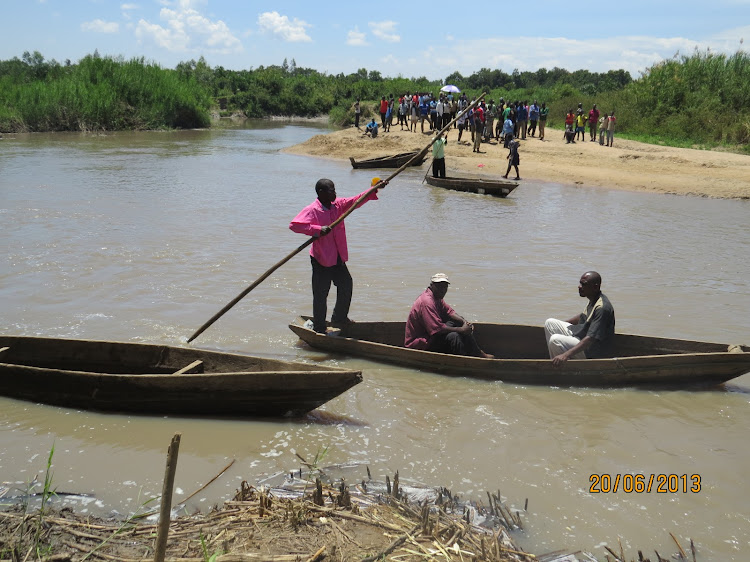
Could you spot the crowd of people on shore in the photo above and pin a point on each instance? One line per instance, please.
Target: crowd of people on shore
(503, 121)
(576, 123)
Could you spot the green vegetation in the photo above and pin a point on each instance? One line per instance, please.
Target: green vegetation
(26, 540)
(39, 542)
(47, 493)
(698, 100)
(98, 93)
(313, 467)
(207, 556)
(704, 98)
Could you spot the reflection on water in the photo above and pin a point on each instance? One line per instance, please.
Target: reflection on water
(144, 236)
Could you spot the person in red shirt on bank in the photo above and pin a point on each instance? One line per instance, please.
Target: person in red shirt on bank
(383, 110)
(478, 127)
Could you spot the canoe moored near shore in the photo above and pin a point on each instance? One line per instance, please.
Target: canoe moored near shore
(522, 357)
(390, 161)
(483, 186)
(161, 379)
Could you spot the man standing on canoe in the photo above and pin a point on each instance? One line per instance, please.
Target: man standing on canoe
(590, 334)
(438, 157)
(329, 252)
(434, 326)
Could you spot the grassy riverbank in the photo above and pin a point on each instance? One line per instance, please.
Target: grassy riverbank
(99, 93)
(701, 100)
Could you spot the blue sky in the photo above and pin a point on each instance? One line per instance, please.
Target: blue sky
(429, 38)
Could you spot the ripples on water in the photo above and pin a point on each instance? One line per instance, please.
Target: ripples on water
(144, 236)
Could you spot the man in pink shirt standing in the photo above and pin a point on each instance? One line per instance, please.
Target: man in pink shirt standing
(434, 326)
(328, 253)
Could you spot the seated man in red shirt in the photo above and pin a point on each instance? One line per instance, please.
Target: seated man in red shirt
(434, 326)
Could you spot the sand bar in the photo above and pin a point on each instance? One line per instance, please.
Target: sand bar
(628, 165)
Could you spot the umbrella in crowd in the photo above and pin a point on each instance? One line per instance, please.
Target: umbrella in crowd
(450, 88)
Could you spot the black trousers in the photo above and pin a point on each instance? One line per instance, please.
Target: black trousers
(455, 343)
(438, 167)
(322, 277)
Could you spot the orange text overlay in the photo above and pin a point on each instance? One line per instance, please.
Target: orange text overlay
(645, 483)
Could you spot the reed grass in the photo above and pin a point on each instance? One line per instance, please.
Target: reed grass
(33, 538)
(104, 93)
(207, 556)
(704, 98)
(696, 101)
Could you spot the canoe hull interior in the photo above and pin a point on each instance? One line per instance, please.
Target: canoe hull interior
(521, 357)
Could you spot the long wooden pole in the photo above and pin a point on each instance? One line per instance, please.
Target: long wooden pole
(428, 170)
(310, 240)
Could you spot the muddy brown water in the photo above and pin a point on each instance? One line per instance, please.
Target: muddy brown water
(144, 236)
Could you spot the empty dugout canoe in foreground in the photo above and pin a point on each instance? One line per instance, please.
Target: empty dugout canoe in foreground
(161, 379)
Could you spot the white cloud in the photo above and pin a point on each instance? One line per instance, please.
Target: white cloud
(127, 8)
(100, 26)
(634, 54)
(385, 30)
(732, 40)
(288, 30)
(356, 38)
(185, 29)
(170, 39)
(388, 61)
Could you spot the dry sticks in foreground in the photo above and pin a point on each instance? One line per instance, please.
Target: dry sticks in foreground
(299, 521)
(328, 523)
(370, 521)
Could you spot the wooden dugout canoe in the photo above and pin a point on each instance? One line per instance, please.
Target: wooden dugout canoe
(522, 357)
(161, 379)
(498, 188)
(391, 161)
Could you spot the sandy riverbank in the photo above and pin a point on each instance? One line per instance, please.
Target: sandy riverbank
(628, 165)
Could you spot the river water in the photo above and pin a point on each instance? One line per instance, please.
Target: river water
(144, 236)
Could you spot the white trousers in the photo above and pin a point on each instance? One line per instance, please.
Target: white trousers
(560, 338)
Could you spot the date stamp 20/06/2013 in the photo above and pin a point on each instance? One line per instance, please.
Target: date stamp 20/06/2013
(644, 483)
